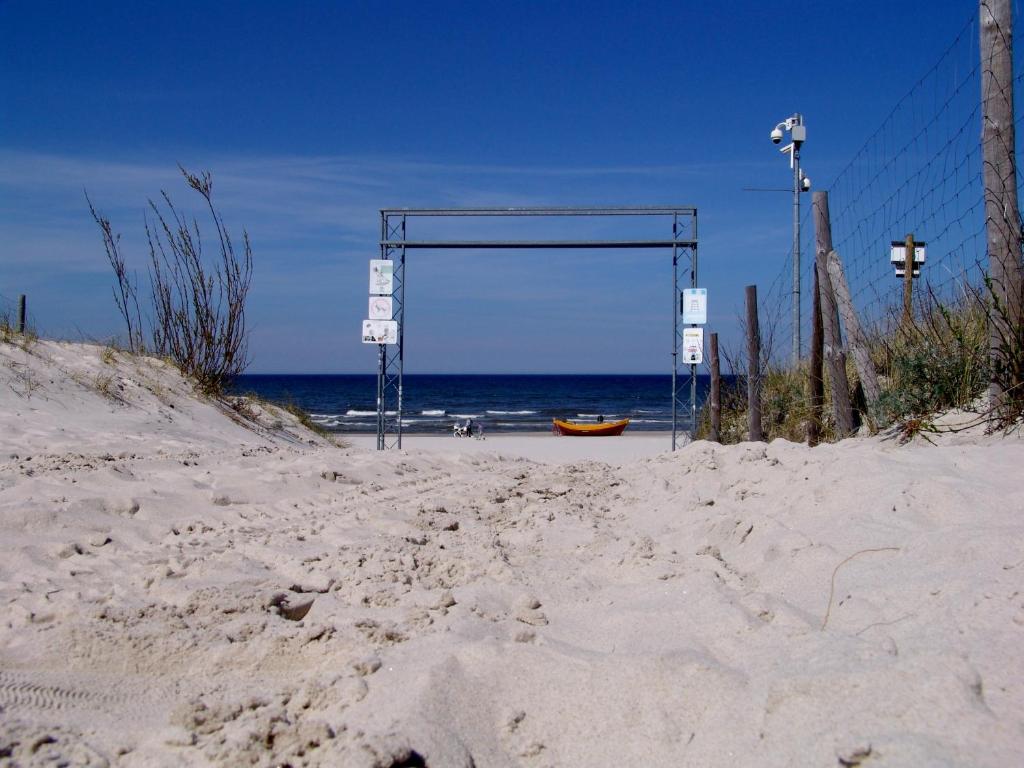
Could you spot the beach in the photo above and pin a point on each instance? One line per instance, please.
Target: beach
(188, 581)
(536, 446)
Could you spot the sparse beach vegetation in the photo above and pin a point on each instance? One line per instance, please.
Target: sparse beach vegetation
(195, 308)
(306, 420)
(940, 361)
(9, 332)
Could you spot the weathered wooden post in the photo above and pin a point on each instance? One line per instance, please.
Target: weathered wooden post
(816, 381)
(1002, 216)
(833, 345)
(21, 313)
(908, 282)
(753, 366)
(716, 393)
(854, 332)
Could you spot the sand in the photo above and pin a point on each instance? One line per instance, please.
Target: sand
(183, 584)
(536, 446)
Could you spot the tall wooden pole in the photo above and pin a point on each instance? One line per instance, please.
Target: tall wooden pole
(753, 366)
(854, 333)
(816, 381)
(908, 281)
(1002, 216)
(716, 393)
(833, 346)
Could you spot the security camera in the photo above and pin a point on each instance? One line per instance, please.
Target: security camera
(806, 184)
(776, 135)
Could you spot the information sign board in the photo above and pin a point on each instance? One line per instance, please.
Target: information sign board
(898, 255)
(382, 277)
(695, 306)
(380, 331)
(381, 308)
(693, 346)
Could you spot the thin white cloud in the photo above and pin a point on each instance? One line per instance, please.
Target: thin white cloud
(314, 221)
(308, 201)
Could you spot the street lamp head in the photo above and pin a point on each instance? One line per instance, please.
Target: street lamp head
(777, 135)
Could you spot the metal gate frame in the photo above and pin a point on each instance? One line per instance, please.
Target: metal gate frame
(394, 244)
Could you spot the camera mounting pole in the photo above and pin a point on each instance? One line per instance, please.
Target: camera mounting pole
(798, 134)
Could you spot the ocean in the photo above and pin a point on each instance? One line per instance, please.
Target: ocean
(432, 403)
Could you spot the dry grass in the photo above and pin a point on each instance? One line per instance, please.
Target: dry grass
(109, 386)
(941, 362)
(24, 383)
(9, 333)
(305, 420)
(253, 410)
(198, 300)
(938, 363)
(785, 408)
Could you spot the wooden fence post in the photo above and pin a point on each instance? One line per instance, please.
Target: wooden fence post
(854, 332)
(833, 346)
(1002, 215)
(816, 381)
(908, 282)
(21, 313)
(716, 393)
(753, 366)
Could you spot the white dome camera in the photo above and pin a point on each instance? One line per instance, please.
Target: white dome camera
(776, 135)
(806, 184)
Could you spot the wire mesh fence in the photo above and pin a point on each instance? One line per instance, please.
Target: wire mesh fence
(919, 172)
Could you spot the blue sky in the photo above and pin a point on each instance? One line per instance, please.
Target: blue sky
(313, 116)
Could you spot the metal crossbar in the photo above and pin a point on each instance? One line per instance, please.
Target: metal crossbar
(446, 244)
(394, 244)
(648, 210)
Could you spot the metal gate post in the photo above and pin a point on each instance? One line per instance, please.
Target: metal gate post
(675, 324)
(689, 243)
(693, 368)
(399, 315)
(392, 356)
(380, 397)
(381, 350)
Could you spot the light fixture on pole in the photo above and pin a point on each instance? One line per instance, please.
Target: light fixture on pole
(798, 134)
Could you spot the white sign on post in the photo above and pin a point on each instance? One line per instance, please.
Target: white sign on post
(382, 276)
(380, 331)
(898, 256)
(693, 346)
(381, 307)
(695, 306)
(898, 253)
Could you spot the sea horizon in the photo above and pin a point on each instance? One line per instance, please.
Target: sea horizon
(497, 402)
(463, 373)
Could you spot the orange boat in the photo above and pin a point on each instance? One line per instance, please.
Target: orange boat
(602, 429)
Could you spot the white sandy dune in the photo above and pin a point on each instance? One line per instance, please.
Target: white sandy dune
(768, 605)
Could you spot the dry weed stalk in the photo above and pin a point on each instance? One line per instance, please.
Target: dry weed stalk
(198, 305)
(832, 587)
